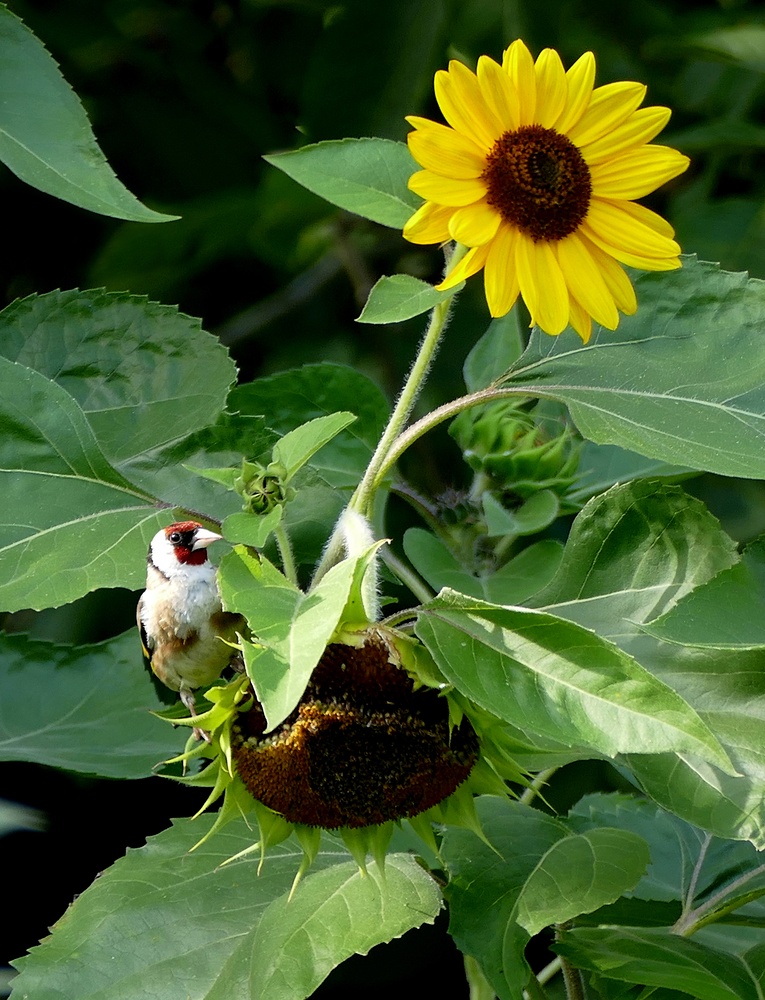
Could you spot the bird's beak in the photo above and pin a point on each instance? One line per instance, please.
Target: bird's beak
(203, 538)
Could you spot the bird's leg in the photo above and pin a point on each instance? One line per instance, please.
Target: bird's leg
(187, 697)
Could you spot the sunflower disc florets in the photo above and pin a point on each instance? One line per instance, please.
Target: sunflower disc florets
(364, 746)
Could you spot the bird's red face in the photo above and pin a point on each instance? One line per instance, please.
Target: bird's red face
(189, 541)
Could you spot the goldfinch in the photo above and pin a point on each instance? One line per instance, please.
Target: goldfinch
(180, 616)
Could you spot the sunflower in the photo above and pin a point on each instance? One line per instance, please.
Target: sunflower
(536, 175)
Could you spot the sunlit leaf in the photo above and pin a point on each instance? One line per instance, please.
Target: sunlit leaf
(681, 381)
(400, 296)
(364, 176)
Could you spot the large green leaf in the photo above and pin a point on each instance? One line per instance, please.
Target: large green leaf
(726, 613)
(632, 554)
(682, 381)
(579, 875)
(485, 883)
(687, 865)
(144, 374)
(162, 916)
(655, 957)
(602, 466)
(556, 680)
(292, 629)
(84, 708)
(365, 176)
(70, 522)
(45, 135)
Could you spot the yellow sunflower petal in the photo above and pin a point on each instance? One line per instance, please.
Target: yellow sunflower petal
(609, 107)
(474, 225)
(542, 285)
(614, 276)
(640, 127)
(429, 224)
(637, 173)
(647, 217)
(470, 264)
(585, 281)
(447, 190)
(519, 66)
(446, 152)
(579, 79)
(463, 106)
(617, 225)
(498, 93)
(552, 89)
(580, 319)
(500, 276)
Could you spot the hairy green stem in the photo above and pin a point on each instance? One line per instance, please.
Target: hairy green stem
(363, 497)
(285, 552)
(433, 419)
(572, 977)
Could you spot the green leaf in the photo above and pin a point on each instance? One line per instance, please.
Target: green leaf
(513, 583)
(728, 612)
(653, 386)
(249, 529)
(632, 554)
(579, 875)
(535, 514)
(682, 855)
(487, 881)
(497, 350)
(45, 135)
(292, 628)
(365, 176)
(70, 522)
(400, 297)
(298, 446)
(95, 713)
(602, 466)
(163, 916)
(553, 679)
(655, 957)
(144, 374)
(294, 397)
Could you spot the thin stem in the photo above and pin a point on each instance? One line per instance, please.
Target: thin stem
(537, 785)
(407, 576)
(688, 901)
(690, 922)
(285, 552)
(433, 419)
(534, 990)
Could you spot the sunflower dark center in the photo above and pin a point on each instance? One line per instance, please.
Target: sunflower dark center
(538, 181)
(362, 747)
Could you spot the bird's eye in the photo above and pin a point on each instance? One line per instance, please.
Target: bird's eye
(175, 537)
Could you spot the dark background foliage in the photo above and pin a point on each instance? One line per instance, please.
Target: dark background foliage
(185, 97)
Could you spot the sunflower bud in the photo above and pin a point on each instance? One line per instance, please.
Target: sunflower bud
(262, 487)
(502, 441)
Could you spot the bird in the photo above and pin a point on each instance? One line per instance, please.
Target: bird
(180, 616)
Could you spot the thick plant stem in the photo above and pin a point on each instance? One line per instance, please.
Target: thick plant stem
(572, 977)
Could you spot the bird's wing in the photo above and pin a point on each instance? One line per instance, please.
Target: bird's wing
(145, 642)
